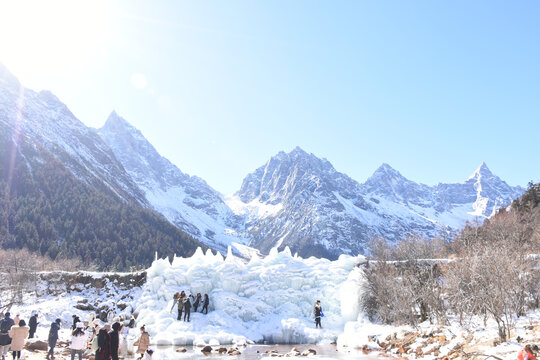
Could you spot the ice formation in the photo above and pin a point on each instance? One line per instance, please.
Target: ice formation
(268, 299)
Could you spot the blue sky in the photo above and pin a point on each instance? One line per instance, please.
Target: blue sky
(432, 88)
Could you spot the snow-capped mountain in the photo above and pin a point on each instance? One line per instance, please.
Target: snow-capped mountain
(65, 194)
(41, 118)
(301, 201)
(296, 199)
(186, 201)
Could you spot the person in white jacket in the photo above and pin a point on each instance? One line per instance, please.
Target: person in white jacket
(78, 341)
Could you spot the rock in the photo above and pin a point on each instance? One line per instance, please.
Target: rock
(294, 352)
(36, 345)
(206, 350)
(222, 350)
(234, 353)
(181, 350)
(366, 349)
(403, 349)
(309, 352)
(85, 307)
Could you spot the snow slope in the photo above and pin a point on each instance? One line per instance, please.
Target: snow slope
(269, 299)
(186, 201)
(43, 120)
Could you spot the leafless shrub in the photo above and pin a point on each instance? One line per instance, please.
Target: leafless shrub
(18, 272)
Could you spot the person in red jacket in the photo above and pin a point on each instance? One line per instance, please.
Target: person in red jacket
(528, 352)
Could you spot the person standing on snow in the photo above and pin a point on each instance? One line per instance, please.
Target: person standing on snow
(18, 334)
(104, 343)
(5, 325)
(115, 340)
(206, 302)
(53, 338)
(123, 348)
(528, 352)
(197, 302)
(143, 342)
(33, 323)
(78, 341)
(187, 308)
(317, 311)
(16, 319)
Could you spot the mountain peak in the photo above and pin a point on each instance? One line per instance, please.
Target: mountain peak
(298, 150)
(481, 170)
(387, 172)
(116, 123)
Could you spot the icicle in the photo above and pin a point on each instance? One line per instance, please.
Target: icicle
(287, 251)
(230, 256)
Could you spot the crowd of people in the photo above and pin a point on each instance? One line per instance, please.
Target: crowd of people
(107, 340)
(184, 304)
(104, 341)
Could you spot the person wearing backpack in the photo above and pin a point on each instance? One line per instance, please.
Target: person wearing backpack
(78, 341)
(53, 338)
(5, 341)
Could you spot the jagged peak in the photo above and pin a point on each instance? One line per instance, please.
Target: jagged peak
(481, 170)
(116, 123)
(385, 170)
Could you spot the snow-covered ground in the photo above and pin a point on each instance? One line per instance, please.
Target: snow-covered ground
(265, 300)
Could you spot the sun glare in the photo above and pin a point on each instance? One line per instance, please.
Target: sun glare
(59, 36)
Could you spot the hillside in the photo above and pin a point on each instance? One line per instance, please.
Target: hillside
(63, 193)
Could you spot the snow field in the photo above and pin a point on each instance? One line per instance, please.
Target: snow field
(269, 299)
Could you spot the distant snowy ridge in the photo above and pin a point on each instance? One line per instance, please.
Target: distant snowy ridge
(319, 211)
(296, 199)
(299, 200)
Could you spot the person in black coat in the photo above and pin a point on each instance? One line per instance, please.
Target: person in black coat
(104, 343)
(317, 311)
(187, 308)
(206, 302)
(53, 338)
(5, 325)
(197, 302)
(115, 340)
(32, 324)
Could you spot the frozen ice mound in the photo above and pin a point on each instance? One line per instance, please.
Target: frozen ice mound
(267, 299)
